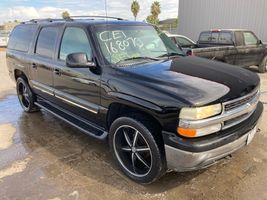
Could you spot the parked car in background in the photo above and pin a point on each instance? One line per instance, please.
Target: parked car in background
(4, 38)
(158, 109)
(237, 47)
(182, 42)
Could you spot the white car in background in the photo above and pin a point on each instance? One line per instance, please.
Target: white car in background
(4, 36)
(184, 42)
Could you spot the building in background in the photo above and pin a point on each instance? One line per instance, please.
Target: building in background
(196, 16)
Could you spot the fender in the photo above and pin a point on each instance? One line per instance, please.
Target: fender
(133, 101)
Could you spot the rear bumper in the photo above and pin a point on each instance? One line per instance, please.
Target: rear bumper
(187, 159)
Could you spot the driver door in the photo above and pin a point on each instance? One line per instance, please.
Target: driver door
(77, 89)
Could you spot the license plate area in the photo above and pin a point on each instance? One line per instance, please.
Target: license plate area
(251, 135)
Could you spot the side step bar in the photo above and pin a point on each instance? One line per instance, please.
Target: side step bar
(79, 123)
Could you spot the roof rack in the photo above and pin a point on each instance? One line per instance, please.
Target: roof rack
(70, 18)
(95, 16)
(43, 20)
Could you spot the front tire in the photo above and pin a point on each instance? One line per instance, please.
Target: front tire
(135, 149)
(26, 96)
(263, 65)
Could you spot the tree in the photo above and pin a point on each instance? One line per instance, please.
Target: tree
(155, 11)
(152, 20)
(135, 7)
(65, 14)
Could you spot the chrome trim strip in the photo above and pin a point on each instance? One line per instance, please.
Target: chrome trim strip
(254, 92)
(42, 90)
(226, 115)
(51, 91)
(42, 87)
(75, 104)
(84, 81)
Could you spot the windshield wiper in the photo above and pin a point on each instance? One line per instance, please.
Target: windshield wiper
(139, 57)
(171, 54)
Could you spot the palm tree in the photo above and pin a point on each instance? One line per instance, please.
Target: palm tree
(65, 14)
(155, 9)
(135, 7)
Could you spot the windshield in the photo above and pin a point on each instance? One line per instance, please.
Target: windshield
(121, 44)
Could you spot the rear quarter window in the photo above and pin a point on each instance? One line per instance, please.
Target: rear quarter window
(21, 37)
(46, 42)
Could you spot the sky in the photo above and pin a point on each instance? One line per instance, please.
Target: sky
(31, 9)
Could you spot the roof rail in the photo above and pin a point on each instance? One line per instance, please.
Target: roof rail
(70, 18)
(95, 16)
(44, 20)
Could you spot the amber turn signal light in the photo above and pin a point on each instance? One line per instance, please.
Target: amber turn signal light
(186, 132)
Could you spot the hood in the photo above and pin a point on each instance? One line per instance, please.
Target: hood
(190, 80)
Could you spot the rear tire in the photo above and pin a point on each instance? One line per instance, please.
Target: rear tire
(26, 96)
(263, 65)
(135, 149)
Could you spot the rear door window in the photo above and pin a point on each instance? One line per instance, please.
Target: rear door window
(21, 37)
(225, 38)
(74, 40)
(249, 38)
(46, 42)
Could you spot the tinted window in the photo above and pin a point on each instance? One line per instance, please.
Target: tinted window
(74, 41)
(46, 42)
(183, 41)
(249, 38)
(214, 37)
(225, 38)
(21, 37)
(205, 37)
(209, 37)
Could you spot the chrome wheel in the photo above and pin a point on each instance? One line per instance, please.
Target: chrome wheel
(132, 151)
(24, 95)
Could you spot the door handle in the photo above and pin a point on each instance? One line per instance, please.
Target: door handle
(57, 72)
(34, 66)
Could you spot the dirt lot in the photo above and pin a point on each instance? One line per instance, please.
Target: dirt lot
(41, 157)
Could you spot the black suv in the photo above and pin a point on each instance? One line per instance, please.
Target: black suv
(126, 81)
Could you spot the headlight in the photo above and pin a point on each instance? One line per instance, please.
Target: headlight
(200, 112)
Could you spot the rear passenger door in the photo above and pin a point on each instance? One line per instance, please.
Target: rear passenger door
(77, 89)
(42, 65)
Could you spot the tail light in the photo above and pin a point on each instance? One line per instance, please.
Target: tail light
(189, 53)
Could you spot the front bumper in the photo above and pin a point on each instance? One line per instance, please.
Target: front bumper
(193, 157)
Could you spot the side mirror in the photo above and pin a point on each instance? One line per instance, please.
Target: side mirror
(259, 42)
(79, 60)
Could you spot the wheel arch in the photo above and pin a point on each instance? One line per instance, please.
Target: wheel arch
(19, 73)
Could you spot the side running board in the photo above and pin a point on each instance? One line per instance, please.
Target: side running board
(81, 124)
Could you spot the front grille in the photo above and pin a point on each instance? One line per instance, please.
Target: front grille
(239, 102)
(246, 102)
